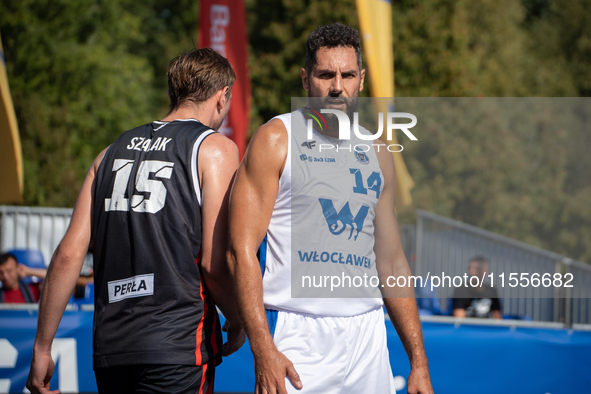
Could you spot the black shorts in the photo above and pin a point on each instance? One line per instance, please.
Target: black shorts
(153, 379)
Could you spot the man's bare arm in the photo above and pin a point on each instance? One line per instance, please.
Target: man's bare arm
(217, 163)
(251, 206)
(400, 302)
(62, 274)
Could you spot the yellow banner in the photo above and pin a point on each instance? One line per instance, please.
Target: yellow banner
(11, 160)
(375, 21)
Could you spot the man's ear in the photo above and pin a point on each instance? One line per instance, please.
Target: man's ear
(362, 75)
(223, 97)
(305, 80)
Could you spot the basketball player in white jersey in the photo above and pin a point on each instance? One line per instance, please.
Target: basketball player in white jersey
(320, 345)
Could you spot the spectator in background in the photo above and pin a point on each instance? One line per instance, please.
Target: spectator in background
(13, 289)
(480, 301)
(86, 277)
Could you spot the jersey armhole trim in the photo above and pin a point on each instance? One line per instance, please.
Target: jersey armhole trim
(288, 155)
(194, 158)
(103, 158)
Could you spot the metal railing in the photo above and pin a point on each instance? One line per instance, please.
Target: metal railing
(445, 245)
(33, 228)
(434, 245)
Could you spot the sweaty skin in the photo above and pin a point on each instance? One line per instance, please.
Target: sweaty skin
(335, 75)
(251, 207)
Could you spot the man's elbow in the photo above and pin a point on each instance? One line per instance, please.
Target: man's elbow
(232, 259)
(67, 258)
(243, 259)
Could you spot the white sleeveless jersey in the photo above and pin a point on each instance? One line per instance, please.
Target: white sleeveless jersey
(322, 223)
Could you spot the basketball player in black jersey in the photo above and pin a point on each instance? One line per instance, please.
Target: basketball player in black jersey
(153, 208)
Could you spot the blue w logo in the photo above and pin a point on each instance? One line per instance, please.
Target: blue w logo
(338, 222)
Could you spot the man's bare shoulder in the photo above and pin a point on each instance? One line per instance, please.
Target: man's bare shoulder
(218, 147)
(271, 135)
(268, 146)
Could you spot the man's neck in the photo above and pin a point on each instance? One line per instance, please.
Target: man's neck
(199, 112)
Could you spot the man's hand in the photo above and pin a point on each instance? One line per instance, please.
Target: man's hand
(23, 271)
(419, 381)
(236, 338)
(270, 371)
(40, 374)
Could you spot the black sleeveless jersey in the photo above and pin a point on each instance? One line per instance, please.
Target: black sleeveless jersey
(151, 305)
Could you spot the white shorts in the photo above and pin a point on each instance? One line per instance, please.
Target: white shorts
(336, 354)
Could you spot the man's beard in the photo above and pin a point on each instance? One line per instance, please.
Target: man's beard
(332, 122)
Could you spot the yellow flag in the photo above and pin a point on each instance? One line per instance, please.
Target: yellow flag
(375, 21)
(11, 160)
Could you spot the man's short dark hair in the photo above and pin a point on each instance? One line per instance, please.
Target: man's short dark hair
(331, 36)
(5, 256)
(196, 75)
(479, 259)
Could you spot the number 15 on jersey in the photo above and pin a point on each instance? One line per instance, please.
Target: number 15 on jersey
(139, 202)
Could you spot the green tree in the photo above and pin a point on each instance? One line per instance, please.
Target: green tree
(83, 72)
(502, 165)
(517, 171)
(75, 87)
(450, 48)
(562, 31)
(277, 48)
